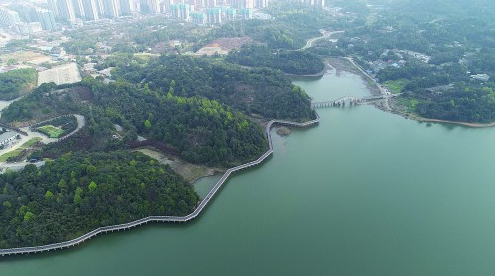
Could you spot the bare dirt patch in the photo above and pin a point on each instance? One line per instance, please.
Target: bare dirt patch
(284, 131)
(190, 172)
(224, 45)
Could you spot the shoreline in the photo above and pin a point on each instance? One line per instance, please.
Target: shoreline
(199, 209)
(428, 120)
(190, 172)
(340, 64)
(322, 73)
(344, 65)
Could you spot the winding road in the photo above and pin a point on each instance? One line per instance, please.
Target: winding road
(81, 122)
(310, 42)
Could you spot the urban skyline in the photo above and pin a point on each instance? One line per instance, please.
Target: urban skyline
(26, 17)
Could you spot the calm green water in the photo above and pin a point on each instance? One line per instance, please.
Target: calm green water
(364, 193)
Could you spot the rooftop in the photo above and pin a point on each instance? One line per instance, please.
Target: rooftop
(7, 135)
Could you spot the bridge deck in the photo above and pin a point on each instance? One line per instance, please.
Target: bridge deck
(343, 100)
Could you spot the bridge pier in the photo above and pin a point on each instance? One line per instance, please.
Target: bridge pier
(342, 102)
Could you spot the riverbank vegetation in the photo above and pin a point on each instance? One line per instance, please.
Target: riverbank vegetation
(440, 58)
(77, 193)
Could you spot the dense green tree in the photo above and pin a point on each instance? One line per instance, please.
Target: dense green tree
(17, 82)
(254, 91)
(61, 201)
(290, 62)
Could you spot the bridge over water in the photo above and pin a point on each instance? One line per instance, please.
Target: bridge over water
(347, 100)
(49, 247)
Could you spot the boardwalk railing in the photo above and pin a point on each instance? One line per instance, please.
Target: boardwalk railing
(350, 99)
(194, 214)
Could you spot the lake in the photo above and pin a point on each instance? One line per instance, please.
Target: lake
(363, 193)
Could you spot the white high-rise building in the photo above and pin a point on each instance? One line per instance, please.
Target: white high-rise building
(66, 10)
(53, 6)
(99, 7)
(243, 4)
(126, 7)
(91, 10)
(320, 3)
(9, 18)
(46, 18)
(260, 4)
(166, 5)
(211, 3)
(153, 6)
(78, 8)
(110, 8)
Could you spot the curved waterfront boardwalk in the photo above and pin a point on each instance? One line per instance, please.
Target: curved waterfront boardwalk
(194, 214)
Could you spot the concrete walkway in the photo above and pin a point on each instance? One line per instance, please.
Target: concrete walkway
(81, 122)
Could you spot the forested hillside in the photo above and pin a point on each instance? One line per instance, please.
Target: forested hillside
(201, 130)
(290, 62)
(197, 108)
(259, 91)
(80, 192)
(201, 110)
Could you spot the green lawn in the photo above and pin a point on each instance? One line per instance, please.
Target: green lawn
(18, 151)
(51, 131)
(14, 153)
(396, 86)
(31, 142)
(409, 103)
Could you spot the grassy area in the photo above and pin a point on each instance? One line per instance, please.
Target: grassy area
(409, 103)
(51, 131)
(14, 153)
(31, 142)
(144, 57)
(18, 151)
(396, 86)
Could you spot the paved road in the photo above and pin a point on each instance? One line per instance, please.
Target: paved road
(310, 42)
(81, 122)
(18, 166)
(5, 104)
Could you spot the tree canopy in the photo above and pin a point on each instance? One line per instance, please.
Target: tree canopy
(290, 62)
(15, 82)
(259, 90)
(81, 192)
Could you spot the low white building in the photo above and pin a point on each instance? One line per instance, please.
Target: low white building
(7, 137)
(481, 77)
